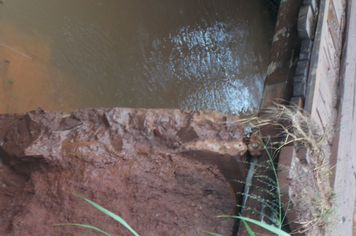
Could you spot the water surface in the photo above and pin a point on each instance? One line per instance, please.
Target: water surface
(70, 54)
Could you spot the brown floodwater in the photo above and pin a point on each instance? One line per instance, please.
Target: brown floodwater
(70, 54)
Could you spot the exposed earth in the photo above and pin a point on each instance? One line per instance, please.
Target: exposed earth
(140, 164)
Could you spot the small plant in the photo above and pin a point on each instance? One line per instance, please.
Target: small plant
(270, 228)
(312, 198)
(109, 213)
(272, 188)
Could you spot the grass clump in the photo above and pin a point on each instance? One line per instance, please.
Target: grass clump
(310, 195)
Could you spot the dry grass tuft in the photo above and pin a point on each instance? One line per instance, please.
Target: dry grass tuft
(310, 192)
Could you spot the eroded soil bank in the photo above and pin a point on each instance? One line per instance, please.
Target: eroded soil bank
(143, 165)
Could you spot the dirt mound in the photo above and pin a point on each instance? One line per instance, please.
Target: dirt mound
(160, 170)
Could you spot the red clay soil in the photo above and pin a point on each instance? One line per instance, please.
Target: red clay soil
(144, 165)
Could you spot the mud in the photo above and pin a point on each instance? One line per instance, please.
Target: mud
(158, 169)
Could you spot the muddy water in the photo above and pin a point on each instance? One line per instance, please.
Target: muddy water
(70, 54)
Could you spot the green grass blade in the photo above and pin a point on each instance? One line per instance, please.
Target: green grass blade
(213, 233)
(270, 228)
(109, 213)
(85, 226)
(249, 230)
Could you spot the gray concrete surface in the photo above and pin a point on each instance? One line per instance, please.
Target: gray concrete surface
(345, 173)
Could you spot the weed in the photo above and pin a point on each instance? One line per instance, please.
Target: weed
(109, 213)
(270, 228)
(311, 198)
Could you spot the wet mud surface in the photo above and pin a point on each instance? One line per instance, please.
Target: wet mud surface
(144, 165)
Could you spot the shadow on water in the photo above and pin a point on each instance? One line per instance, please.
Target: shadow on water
(156, 54)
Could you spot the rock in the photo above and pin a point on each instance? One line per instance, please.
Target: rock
(306, 22)
(313, 4)
(255, 146)
(302, 68)
(163, 171)
(305, 50)
(299, 89)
